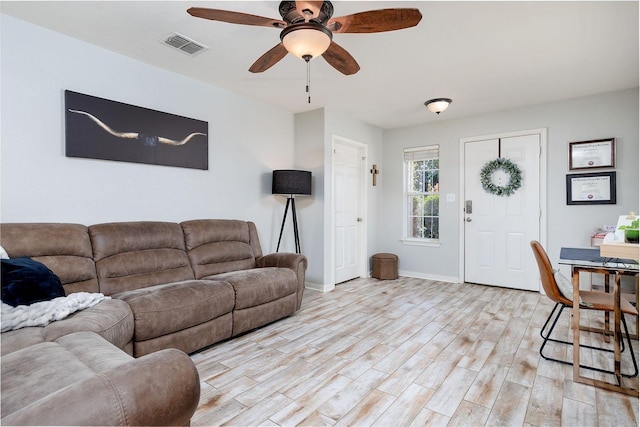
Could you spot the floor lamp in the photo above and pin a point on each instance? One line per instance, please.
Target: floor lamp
(289, 183)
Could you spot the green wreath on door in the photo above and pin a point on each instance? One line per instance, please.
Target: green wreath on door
(510, 168)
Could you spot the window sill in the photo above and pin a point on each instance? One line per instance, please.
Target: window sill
(420, 242)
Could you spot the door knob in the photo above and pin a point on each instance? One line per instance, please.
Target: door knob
(468, 219)
(359, 219)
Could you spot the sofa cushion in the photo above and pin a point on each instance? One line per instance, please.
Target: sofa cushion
(112, 319)
(64, 248)
(253, 317)
(218, 246)
(260, 285)
(16, 340)
(134, 255)
(42, 369)
(25, 281)
(158, 389)
(164, 309)
(189, 340)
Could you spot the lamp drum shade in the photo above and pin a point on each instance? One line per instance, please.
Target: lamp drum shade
(287, 181)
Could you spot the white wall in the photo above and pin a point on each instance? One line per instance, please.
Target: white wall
(247, 140)
(594, 117)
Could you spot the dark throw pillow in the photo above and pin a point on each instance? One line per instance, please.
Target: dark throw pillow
(25, 281)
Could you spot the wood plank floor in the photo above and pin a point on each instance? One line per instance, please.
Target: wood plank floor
(407, 352)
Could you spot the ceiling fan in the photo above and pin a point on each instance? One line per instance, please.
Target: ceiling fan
(308, 28)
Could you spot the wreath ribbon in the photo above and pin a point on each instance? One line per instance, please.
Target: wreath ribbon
(510, 168)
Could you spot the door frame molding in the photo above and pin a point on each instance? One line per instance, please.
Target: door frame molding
(542, 133)
(362, 202)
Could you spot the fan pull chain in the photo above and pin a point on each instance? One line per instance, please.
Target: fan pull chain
(307, 58)
(309, 82)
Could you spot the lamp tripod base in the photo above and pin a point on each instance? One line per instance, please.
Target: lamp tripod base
(290, 201)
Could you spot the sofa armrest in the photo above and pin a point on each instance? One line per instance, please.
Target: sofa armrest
(162, 388)
(283, 260)
(296, 262)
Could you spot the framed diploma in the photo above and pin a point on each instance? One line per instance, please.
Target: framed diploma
(591, 188)
(600, 153)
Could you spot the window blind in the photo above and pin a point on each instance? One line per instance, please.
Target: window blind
(421, 153)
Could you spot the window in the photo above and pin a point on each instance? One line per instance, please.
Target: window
(422, 193)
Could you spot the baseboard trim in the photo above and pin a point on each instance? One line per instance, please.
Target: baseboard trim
(318, 287)
(329, 287)
(435, 277)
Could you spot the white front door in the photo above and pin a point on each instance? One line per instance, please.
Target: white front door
(347, 161)
(498, 229)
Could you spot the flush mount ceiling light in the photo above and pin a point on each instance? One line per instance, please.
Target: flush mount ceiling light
(306, 40)
(438, 105)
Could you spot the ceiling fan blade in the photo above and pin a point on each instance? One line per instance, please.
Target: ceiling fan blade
(375, 21)
(269, 59)
(311, 6)
(235, 17)
(340, 59)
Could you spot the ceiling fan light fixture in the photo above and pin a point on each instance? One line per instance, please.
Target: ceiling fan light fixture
(306, 40)
(438, 105)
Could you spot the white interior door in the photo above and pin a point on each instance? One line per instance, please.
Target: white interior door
(347, 161)
(498, 229)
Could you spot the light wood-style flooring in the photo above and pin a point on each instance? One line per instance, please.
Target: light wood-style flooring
(407, 352)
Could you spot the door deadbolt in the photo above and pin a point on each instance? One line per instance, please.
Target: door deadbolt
(468, 207)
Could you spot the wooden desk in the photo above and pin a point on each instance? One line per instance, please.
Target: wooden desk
(603, 268)
(620, 250)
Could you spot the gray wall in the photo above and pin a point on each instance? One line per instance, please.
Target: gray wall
(594, 117)
(341, 125)
(248, 139)
(309, 155)
(314, 133)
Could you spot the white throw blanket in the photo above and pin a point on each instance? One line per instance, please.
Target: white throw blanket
(45, 312)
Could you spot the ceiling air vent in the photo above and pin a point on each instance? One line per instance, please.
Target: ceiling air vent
(184, 44)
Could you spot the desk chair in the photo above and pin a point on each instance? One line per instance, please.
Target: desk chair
(590, 300)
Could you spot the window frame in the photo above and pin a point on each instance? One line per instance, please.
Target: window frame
(425, 151)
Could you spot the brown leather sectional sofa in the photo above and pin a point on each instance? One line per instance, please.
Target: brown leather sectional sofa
(172, 286)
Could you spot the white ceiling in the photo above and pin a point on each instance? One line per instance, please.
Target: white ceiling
(486, 56)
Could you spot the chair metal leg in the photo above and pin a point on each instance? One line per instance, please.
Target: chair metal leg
(547, 337)
(633, 356)
(547, 321)
(553, 325)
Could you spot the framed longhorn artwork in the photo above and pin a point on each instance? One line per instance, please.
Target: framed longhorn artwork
(97, 128)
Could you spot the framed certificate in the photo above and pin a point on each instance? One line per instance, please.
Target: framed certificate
(600, 153)
(591, 188)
